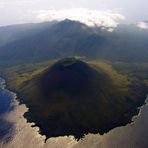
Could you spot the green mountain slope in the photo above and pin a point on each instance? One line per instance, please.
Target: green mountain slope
(70, 38)
(75, 97)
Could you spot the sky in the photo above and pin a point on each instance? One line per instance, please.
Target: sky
(106, 12)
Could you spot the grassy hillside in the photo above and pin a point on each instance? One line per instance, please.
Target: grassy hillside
(107, 94)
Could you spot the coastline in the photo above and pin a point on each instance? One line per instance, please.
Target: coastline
(11, 115)
(15, 84)
(66, 141)
(18, 98)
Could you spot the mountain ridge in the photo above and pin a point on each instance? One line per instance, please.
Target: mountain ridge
(125, 43)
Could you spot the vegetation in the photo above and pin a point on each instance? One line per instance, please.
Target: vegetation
(72, 97)
(47, 41)
(82, 93)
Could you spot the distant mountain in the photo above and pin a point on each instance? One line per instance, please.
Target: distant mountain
(12, 33)
(39, 42)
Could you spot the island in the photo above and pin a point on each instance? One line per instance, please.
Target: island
(74, 96)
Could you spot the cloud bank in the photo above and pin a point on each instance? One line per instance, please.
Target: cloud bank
(102, 18)
(142, 25)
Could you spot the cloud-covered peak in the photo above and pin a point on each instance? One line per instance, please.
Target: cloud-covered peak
(142, 25)
(101, 18)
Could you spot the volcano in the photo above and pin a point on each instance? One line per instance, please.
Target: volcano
(75, 79)
(73, 97)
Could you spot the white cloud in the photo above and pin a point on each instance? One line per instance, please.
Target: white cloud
(104, 18)
(5, 3)
(26, 1)
(2, 4)
(142, 25)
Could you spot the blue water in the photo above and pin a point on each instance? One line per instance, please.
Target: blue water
(5, 98)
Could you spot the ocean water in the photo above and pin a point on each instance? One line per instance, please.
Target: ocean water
(5, 98)
(15, 132)
(6, 106)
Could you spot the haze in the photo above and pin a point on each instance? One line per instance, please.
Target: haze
(24, 11)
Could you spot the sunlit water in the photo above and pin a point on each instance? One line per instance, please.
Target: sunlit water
(15, 132)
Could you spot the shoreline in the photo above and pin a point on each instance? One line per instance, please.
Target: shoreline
(17, 100)
(65, 141)
(9, 115)
(22, 98)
